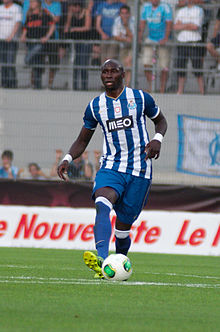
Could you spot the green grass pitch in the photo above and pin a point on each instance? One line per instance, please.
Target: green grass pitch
(52, 290)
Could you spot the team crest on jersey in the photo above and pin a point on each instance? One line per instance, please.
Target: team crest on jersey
(132, 105)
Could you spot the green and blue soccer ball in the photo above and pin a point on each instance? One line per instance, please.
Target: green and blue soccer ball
(117, 267)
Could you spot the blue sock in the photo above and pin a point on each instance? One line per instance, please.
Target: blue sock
(122, 242)
(102, 228)
(122, 245)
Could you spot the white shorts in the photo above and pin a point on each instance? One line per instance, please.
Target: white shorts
(163, 56)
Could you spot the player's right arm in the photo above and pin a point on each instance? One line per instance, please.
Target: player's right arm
(80, 144)
(77, 148)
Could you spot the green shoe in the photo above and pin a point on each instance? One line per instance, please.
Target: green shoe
(93, 262)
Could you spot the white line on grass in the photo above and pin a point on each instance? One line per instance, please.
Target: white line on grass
(36, 267)
(181, 275)
(75, 281)
(77, 269)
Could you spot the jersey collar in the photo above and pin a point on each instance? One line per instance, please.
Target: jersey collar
(117, 96)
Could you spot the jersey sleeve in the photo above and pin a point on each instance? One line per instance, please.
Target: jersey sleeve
(18, 14)
(143, 13)
(178, 16)
(57, 9)
(168, 12)
(151, 110)
(199, 18)
(89, 120)
(99, 9)
(115, 28)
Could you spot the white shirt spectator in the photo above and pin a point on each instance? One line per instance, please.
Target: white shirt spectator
(9, 16)
(119, 29)
(172, 3)
(192, 15)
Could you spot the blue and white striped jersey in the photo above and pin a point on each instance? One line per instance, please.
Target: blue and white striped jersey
(123, 123)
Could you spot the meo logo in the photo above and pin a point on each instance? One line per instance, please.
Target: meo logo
(124, 122)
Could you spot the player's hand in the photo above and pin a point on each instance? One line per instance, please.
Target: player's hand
(62, 169)
(152, 149)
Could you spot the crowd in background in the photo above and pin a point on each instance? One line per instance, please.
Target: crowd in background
(36, 22)
(81, 168)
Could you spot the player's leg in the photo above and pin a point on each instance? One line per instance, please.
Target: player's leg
(122, 238)
(147, 57)
(182, 58)
(197, 63)
(128, 209)
(107, 189)
(104, 200)
(164, 62)
(213, 47)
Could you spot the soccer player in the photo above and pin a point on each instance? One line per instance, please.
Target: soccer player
(124, 178)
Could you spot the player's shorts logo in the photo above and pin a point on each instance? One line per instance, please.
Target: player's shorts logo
(124, 122)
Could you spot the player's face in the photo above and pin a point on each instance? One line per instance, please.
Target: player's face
(155, 3)
(125, 14)
(6, 2)
(6, 162)
(112, 76)
(34, 4)
(33, 170)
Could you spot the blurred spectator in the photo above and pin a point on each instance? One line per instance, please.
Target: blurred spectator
(97, 156)
(59, 154)
(96, 51)
(214, 45)
(81, 168)
(35, 172)
(54, 9)
(10, 21)
(25, 8)
(62, 22)
(188, 24)
(206, 19)
(7, 171)
(39, 25)
(123, 30)
(79, 27)
(158, 17)
(172, 3)
(106, 13)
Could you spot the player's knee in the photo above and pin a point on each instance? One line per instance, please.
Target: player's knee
(103, 207)
(108, 193)
(103, 202)
(121, 226)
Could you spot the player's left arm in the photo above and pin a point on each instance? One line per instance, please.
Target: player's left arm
(153, 147)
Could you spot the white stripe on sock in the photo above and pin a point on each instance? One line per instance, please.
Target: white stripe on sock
(121, 234)
(104, 201)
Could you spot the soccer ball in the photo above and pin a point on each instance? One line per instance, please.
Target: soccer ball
(117, 267)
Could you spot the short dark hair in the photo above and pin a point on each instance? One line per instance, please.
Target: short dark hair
(35, 165)
(125, 7)
(115, 62)
(8, 154)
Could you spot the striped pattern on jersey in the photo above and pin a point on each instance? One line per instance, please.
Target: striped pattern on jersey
(123, 123)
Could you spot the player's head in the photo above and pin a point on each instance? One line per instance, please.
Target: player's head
(7, 157)
(34, 169)
(155, 3)
(34, 5)
(112, 74)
